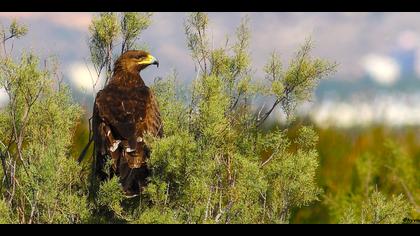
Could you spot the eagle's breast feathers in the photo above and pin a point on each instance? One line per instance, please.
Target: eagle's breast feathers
(126, 114)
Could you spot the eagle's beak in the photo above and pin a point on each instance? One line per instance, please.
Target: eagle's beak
(155, 62)
(150, 60)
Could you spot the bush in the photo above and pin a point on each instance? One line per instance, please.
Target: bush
(209, 167)
(40, 183)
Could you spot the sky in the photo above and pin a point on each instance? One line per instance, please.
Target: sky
(378, 55)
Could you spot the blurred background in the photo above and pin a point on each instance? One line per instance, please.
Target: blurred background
(378, 55)
(373, 98)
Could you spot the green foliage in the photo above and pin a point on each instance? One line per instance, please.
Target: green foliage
(295, 84)
(210, 166)
(6, 214)
(17, 30)
(197, 42)
(375, 209)
(52, 188)
(109, 29)
(132, 24)
(364, 170)
(14, 31)
(172, 104)
(307, 138)
(40, 183)
(358, 161)
(292, 181)
(105, 27)
(111, 195)
(104, 31)
(155, 216)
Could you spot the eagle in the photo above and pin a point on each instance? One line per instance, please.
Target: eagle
(124, 111)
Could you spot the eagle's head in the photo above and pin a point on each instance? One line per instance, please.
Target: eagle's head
(135, 61)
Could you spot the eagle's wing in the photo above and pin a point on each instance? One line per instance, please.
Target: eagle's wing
(121, 118)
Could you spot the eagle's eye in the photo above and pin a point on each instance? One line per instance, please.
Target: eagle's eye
(140, 57)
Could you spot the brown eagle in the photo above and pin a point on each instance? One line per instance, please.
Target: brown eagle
(124, 111)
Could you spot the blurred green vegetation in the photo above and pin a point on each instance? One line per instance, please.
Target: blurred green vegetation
(340, 150)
